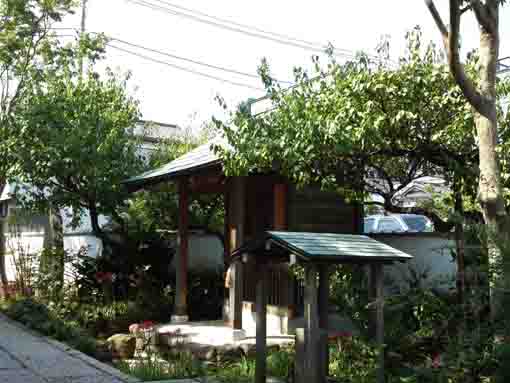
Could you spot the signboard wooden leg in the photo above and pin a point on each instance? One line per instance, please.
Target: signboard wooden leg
(261, 333)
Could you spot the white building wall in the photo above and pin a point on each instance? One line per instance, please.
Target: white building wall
(205, 253)
(33, 244)
(432, 261)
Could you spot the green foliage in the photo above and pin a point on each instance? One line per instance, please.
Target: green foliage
(239, 371)
(146, 370)
(348, 292)
(76, 141)
(138, 266)
(26, 42)
(502, 356)
(279, 364)
(152, 368)
(354, 360)
(158, 212)
(50, 276)
(344, 124)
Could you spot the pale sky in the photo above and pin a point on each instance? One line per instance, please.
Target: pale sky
(173, 96)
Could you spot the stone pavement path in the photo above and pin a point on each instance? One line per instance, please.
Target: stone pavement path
(26, 357)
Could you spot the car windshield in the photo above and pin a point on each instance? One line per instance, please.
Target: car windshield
(368, 226)
(415, 223)
(389, 225)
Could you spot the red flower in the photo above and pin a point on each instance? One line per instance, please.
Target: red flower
(147, 324)
(436, 360)
(102, 276)
(108, 276)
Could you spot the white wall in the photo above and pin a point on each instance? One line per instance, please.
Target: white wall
(205, 250)
(33, 243)
(432, 258)
(205, 253)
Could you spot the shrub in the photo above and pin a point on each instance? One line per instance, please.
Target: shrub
(38, 317)
(280, 363)
(353, 360)
(240, 371)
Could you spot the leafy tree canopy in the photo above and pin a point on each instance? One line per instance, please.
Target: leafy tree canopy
(158, 210)
(362, 127)
(26, 38)
(75, 139)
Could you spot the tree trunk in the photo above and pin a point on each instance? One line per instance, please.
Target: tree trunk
(57, 229)
(94, 220)
(3, 272)
(490, 192)
(460, 243)
(54, 256)
(482, 97)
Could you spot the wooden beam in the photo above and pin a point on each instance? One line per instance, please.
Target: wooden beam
(324, 272)
(236, 295)
(238, 217)
(379, 331)
(372, 297)
(207, 183)
(357, 217)
(280, 222)
(313, 363)
(261, 323)
(208, 189)
(226, 222)
(280, 207)
(181, 307)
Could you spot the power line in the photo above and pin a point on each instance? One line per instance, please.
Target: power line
(156, 7)
(252, 27)
(220, 68)
(186, 59)
(198, 73)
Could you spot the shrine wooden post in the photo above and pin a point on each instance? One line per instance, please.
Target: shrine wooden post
(261, 324)
(378, 270)
(181, 269)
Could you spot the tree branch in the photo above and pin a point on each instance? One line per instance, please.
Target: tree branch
(451, 43)
(438, 20)
(465, 9)
(482, 15)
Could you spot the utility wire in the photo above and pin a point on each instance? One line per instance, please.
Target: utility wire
(252, 27)
(156, 7)
(198, 73)
(201, 63)
(220, 68)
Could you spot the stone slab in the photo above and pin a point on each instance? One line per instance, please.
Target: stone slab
(84, 379)
(31, 358)
(17, 376)
(8, 363)
(57, 364)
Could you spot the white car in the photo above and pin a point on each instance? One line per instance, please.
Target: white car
(397, 223)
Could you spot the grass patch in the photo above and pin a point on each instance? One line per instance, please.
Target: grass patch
(279, 365)
(183, 366)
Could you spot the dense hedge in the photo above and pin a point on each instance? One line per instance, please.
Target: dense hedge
(37, 317)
